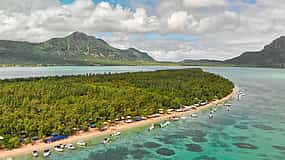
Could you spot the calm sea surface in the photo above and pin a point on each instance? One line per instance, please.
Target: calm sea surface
(254, 129)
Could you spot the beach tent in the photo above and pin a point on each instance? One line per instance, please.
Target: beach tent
(55, 138)
(139, 119)
(34, 138)
(54, 134)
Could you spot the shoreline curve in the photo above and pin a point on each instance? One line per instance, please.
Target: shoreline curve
(93, 132)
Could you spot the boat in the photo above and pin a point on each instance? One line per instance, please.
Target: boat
(129, 121)
(169, 111)
(203, 103)
(211, 116)
(116, 133)
(164, 124)
(194, 107)
(161, 111)
(194, 115)
(175, 118)
(106, 140)
(215, 109)
(143, 118)
(151, 127)
(70, 146)
(81, 143)
(46, 153)
(58, 148)
(35, 153)
(183, 117)
(179, 110)
(228, 108)
(227, 104)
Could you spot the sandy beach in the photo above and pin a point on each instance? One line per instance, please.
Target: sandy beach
(96, 133)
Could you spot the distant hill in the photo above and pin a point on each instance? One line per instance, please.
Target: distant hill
(203, 62)
(75, 49)
(273, 55)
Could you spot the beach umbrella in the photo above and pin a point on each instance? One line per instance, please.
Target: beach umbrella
(1, 138)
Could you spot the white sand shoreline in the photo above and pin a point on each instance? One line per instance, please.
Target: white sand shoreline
(92, 133)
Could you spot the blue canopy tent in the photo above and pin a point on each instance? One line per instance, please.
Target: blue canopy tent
(55, 138)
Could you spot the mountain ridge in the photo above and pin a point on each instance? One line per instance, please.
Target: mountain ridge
(75, 49)
(272, 55)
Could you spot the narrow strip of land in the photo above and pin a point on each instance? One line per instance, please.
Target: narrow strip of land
(92, 133)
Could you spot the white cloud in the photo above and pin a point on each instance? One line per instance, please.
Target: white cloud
(224, 29)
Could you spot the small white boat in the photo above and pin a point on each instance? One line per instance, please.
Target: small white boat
(179, 110)
(228, 108)
(175, 118)
(215, 109)
(211, 116)
(129, 121)
(116, 133)
(46, 153)
(58, 148)
(227, 104)
(143, 118)
(164, 124)
(70, 146)
(106, 140)
(81, 143)
(183, 117)
(35, 153)
(194, 115)
(151, 127)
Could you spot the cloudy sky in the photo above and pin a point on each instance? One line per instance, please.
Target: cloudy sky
(167, 29)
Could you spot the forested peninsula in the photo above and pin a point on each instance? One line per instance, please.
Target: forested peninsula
(39, 107)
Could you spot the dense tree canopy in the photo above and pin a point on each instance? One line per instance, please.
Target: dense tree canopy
(42, 106)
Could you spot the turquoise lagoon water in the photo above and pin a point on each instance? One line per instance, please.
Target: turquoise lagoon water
(254, 129)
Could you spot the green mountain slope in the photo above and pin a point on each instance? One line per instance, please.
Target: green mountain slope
(75, 49)
(273, 55)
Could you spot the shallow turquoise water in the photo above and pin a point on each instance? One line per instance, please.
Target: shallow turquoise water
(254, 129)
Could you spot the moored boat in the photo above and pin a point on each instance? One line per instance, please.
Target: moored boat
(174, 118)
(70, 146)
(35, 153)
(106, 140)
(116, 133)
(151, 127)
(194, 115)
(46, 153)
(211, 116)
(228, 104)
(81, 143)
(129, 121)
(183, 117)
(164, 124)
(58, 148)
(179, 110)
